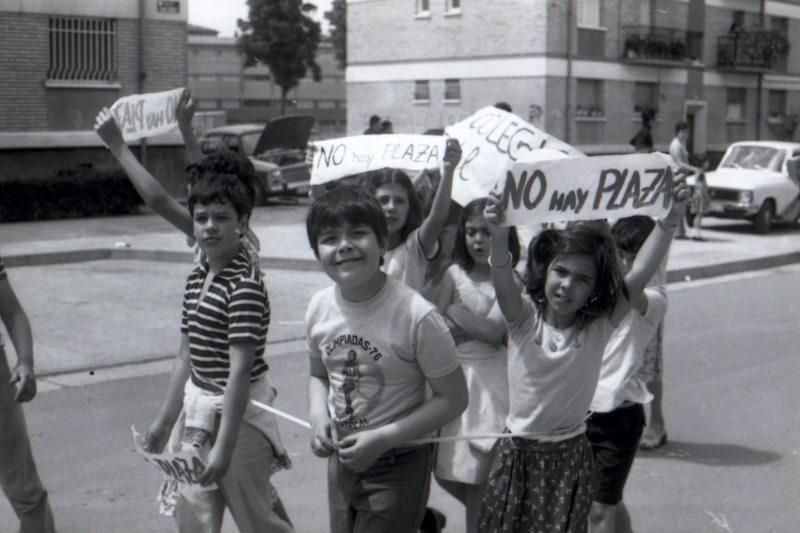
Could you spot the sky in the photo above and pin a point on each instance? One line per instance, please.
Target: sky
(221, 15)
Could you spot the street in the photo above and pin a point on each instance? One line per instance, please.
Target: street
(730, 401)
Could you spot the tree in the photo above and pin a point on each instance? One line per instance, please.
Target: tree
(281, 35)
(337, 17)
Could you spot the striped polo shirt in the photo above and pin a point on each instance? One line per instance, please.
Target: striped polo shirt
(234, 309)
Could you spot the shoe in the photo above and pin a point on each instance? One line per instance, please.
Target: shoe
(653, 444)
(701, 239)
(433, 521)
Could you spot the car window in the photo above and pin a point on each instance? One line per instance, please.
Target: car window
(249, 142)
(754, 158)
(211, 144)
(231, 142)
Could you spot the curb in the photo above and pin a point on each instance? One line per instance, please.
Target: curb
(732, 267)
(168, 256)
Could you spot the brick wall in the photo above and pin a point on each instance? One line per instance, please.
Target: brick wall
(23, 68)
(165, 55)
(387, 30)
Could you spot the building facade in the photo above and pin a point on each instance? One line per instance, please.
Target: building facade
(580, 69)
(220, 82)
(63, 60)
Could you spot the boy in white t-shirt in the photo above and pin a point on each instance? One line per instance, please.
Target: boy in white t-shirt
(617, 421)
(375, 346)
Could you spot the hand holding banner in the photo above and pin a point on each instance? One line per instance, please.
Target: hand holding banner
(336, 158)
(586, 188)
(183, 466)
(491, 140)
(145, 115)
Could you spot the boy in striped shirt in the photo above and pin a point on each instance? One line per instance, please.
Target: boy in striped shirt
(219, 367)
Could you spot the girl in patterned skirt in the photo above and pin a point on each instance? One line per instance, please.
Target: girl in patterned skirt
(540, 479)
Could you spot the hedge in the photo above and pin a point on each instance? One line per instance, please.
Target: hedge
(81, 192)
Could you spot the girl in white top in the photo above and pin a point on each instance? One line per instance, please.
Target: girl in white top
(412, 239)
(540, 480)
(476, 323)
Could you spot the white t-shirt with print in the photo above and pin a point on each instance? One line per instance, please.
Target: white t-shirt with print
(624, 356)
(552, 374)
(378, 353)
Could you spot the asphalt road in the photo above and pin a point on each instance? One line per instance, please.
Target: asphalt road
(731, 405)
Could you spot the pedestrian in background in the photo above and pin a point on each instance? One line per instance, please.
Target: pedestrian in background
(374, 125)
(18, 476)
(680, 158)
(642, 142)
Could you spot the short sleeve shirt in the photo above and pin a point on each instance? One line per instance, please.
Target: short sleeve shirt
(552, 374)
(235, 309)
(378, 354)
(407, 262)
(624, 355)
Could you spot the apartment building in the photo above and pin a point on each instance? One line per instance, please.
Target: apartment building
(580, 69)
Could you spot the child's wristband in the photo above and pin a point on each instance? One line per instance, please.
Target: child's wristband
(500, 267)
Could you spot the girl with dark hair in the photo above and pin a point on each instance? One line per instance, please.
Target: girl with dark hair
(476, 323)
(413, 240)
(541, 477)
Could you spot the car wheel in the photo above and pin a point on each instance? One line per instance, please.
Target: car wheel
(764, 217)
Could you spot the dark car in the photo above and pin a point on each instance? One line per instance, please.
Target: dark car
(277, 151)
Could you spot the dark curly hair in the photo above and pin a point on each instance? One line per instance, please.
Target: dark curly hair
(589, 238)
(630, 233)
(387, 176)
(224, 162)
(461, 254)
(221, 188)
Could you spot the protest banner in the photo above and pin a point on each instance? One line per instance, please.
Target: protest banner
(183, 466)
(491, 140)
(145, 115)
(586, 188)
(336, 158)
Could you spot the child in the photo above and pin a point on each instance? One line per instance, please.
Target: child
(477, 326)
(540, 480)
(617, 419)
(224, 329)
(413, 241)
(375, 347)
(18, 475)
(154, 194)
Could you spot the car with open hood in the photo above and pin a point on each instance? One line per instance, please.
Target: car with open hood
(758, 181)
(277, 150)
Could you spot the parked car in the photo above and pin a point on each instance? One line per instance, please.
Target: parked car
(758, 181)
(276, 149)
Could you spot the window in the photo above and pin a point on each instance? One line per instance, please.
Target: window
(777, 105)
(452, 90)
(423, 8)
(645, 97)
(589, 102)
(82, 50)
(452, 7)
(645, 7)
(422, 91)
(589, 13)
(736, 109)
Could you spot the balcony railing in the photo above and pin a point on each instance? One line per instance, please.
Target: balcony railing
(754, 50)
(661, 44)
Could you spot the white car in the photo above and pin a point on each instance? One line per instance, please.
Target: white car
(758, 181)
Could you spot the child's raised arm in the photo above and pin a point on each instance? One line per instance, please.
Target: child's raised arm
(19, 329)
(505, 286)
(490, 329)
(652, 252)
(151, 191)
(433, 224)
(185, 112)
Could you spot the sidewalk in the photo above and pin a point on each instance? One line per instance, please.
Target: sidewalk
(731, 246)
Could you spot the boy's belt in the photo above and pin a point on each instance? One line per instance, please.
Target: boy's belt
(204, 385)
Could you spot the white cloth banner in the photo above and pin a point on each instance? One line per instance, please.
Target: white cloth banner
(586, 188)
(334, 159)
(183, 466)
(492, 139)
(145, 115)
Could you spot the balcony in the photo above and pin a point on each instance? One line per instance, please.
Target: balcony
(751, 51)
(660, 46)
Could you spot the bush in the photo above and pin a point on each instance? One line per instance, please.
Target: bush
(74, 193)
